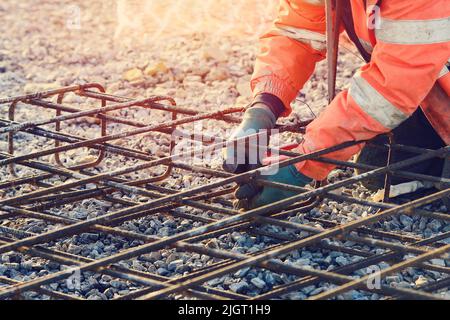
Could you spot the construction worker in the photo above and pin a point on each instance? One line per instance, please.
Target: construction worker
(408, 44)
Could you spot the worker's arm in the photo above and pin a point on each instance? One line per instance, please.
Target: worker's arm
(287, 59)
(289, 52)
(413, 45)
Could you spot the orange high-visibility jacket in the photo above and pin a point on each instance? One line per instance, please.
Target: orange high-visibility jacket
(410, 46)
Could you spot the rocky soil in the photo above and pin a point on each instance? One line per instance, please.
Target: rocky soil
(43, 47)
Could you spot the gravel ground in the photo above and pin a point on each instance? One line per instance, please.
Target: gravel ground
(201, 71)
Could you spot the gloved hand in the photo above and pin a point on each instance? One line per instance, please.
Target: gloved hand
(251, 196)
(256, 118)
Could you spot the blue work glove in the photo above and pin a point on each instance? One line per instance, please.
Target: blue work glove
(251, 196)
(256, 118)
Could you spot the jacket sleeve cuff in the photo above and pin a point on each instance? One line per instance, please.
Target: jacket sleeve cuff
(277, 87)
(273, 102)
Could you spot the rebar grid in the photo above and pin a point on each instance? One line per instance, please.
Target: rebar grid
(50, 184)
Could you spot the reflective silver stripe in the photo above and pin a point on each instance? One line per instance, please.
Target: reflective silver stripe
(443, 72)
(413, 31)
(374, 104)
(316, 40)
(315, 2)
(366, 45)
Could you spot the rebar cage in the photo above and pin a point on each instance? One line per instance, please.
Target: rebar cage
(58, 186)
